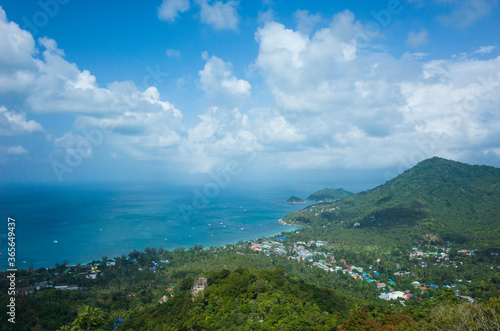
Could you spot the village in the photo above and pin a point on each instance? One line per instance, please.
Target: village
(402, 282)
(389, 286)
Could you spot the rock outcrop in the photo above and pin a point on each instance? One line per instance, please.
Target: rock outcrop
(199, 285)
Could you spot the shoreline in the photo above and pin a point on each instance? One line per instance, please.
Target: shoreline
(222, 244)
(281, 221)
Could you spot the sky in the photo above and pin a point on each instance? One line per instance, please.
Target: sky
(262, 90)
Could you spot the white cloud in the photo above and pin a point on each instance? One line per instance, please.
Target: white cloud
(217, 78)
(265, 16)
(14, 123)
(172, 53)
(337, 103)
(364, 108)
(222, 16)
(137, 122)
(416, 39)
(224, 134)
(484, 50)
(306, 21)
(170, 9)
(466, 13)
(16, 150)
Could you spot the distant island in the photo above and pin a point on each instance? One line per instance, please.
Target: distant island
(328, 194)
(294, 199)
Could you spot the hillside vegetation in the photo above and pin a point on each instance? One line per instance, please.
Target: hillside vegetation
(437, 201)
(328, 194)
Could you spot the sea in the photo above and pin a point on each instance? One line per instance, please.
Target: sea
(84, 222)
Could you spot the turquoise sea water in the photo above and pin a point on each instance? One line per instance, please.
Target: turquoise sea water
(81, 223)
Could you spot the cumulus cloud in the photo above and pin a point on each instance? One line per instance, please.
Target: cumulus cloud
(265, 16)
(336, 103)
(14, 123)
(170, 9)
(228, 134)
(306, 22)
(221, 15)
(416, 39)
(361, 107)
(217, 78)
(135, 121)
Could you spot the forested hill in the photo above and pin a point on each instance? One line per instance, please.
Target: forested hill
(245, 299)
(328, 194)
(438, 201)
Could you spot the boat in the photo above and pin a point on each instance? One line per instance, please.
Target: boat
(55, 242)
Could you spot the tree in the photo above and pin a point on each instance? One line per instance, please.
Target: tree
(89, 319)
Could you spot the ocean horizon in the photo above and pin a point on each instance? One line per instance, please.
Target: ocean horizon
(81, 223)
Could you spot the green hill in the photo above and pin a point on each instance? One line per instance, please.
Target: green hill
(328, 194)
(294, 199)
(437, 201)
(245, 299)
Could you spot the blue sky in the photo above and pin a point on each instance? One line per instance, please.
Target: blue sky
(179, 89)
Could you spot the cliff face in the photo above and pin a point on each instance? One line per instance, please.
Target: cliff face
(199, 285)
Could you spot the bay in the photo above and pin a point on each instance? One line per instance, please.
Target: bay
(81, 223)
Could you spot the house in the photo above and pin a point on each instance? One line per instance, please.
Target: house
(41, 285)
(381, 285)
(91, 276)
(131, 294)
(359, 269)
(322, 266)
(25, 290)
(415, 283)
(464, 297)
(392, 295)
(423, 264)
(110, 263)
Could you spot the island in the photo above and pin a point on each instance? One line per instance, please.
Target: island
(294, 199)
(328, 194)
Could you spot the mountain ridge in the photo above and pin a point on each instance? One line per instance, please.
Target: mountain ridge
(437, 200)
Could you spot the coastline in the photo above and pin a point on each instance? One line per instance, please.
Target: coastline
(120, 220)
(85, 260)
(281, 221)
